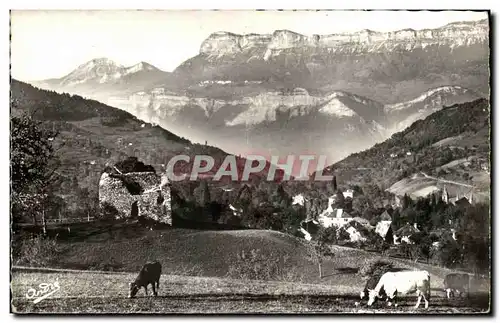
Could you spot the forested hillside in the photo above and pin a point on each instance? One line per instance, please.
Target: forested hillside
(455, 132)
(91, 135)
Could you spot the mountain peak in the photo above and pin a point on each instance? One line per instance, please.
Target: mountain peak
(103, 70)
(100, 61)
(141, 66)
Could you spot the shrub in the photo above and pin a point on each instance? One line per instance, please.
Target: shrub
(371, 266)
(257, 266)
(449, 254)
(37, 251)
(108, 211)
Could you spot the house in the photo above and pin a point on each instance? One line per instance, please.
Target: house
(408, 153)
(298, 200)
(404, 233)
(364, 222)
(462, 199)
(308, 228)
(439, 233)
(334, 217)
(348, 193)
(384, 230)
(385, 216)
(462, 202)
(354, 234)
(136, 194)
(306, 234)
(394, 155)
(357, 231)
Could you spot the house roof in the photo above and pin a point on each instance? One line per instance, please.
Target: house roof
(358, 226)
(462, 202)
(340, 213)
(362, 221)
(385, 216)
(406, 230)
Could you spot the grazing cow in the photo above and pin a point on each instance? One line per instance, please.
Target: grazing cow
(373, 281)
(403, 282)
(371, 284)
(149, 274)
(456, 282)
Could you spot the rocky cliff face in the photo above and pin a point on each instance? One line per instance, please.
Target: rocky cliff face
(335, 123)
(263, 107)
(452, 35)
(389, 67)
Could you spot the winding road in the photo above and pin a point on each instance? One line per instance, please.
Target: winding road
(446, 181)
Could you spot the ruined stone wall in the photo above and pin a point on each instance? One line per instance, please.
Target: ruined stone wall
(113, 191)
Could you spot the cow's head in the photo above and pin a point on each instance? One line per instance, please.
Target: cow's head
(372, 296)
(133, 289)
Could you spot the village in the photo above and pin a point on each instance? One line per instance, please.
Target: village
(143, 194)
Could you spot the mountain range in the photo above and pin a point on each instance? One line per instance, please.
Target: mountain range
(284, 92)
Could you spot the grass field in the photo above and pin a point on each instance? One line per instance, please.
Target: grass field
(107, 293)
(196, 267)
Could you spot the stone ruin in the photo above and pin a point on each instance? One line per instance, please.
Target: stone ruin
(136, 194)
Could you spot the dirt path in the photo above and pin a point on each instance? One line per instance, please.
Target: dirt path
(446, 181)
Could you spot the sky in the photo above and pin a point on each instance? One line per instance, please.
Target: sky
(50, 44)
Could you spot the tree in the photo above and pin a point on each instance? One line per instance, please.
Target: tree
(31, 153)
(88, 201)
(339, 199)
(33, 166)
(407, 202)
(319, 249)
(474, 235)
(280, 198)
(334, 183)
(360, 203)
(203, 194)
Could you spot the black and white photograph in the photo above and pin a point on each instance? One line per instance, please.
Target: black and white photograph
(250, 162)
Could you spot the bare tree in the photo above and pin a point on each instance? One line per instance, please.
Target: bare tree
(319, 249)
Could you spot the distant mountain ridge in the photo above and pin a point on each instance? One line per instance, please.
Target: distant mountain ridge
(348, 61)
(335, 123)
(103, 74)
(454, 34)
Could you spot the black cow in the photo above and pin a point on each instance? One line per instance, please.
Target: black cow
(149, 274)
(459, 283)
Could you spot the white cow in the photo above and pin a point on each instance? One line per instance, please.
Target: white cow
(403, 282)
